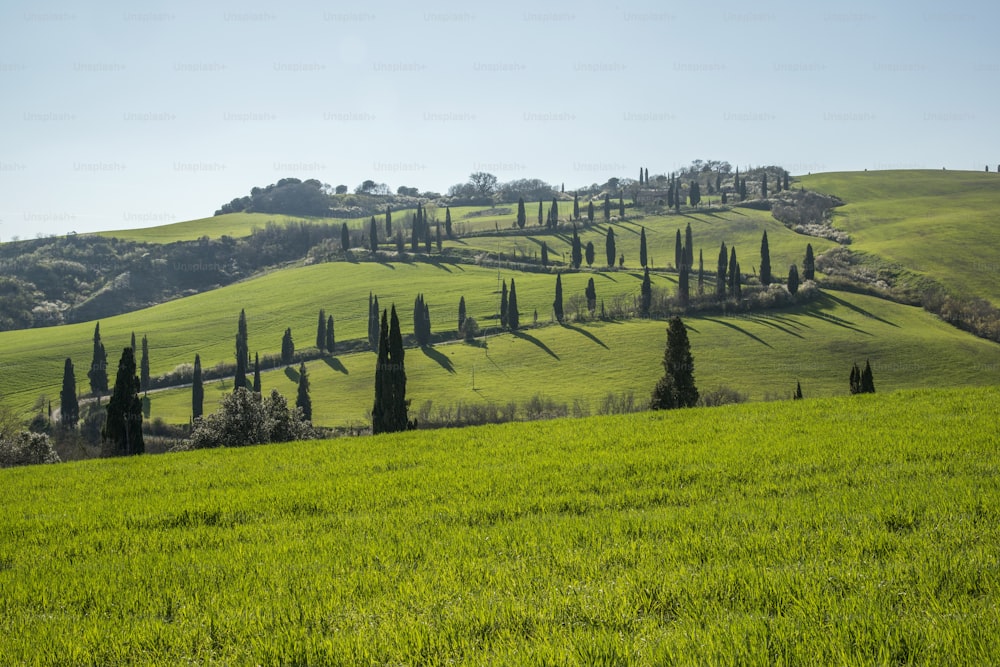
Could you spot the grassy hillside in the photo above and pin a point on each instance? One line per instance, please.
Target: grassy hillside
(230, 224)
(860, 530)
(940, 223)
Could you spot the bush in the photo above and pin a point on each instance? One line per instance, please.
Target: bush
(27, 448)
(245, 418)
(722, 395)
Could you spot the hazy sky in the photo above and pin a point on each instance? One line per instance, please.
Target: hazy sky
(140, 113)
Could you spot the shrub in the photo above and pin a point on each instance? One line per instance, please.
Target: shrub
(722, 395)
(247, 419)
(27, 448)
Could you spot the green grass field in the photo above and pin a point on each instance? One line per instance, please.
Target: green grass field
(856, 530)
(231, 224)
(943, 224)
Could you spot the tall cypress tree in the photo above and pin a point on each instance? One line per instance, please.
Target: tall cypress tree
(331, 343)
(765, 261)
(373, 236)
(763, 186)
(197, 390)
(867, 380)
(684, 287)
(590, 213)
(610, 250)
(720, 272)
(345, 238)
(576, 206)
(461, 314)
(144, 366)
(798, 391)
(591, 294)
(388, 223)
(522, 217)
(645, 294)
(242, 352)
(701, 273)
(256, 373)
(688, 248)
(734, 275)
(513, 316)
(383, 383)
(545, 253)
(287, 348)
(133, 342)
(809, 264)
(557, 304)
(98, 373)
(785, 180)
(678, 251)
(399, 419)
(541, 214)
(793, 279)
(607, 208)
(554, 212)
(577, 254)
(122, 432)
(643, 254)
(676, 389)
(855, 379)
(69, 406)
(588, 253)
(373, 326)
(302, 399)
(621, 207)
(321, 331)
(503, 305)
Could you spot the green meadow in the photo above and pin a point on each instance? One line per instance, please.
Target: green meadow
(853, 530)
(942, 224)
(231, 224)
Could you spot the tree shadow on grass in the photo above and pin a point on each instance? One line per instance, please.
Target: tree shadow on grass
(857, 309)
(531, 339)
(292, 374)
(769, 321)
(737, 328)
(385, 263)
(442, 359)
(335, 364)
(588, 334)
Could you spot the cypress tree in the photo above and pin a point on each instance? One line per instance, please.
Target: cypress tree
(522, 217)
(437, 236)
(144, 366)
(763, 186)
(591, 294)
(785, 179)
(590, 213)
(621, 207)
(513, 316)
(256, 373)
(647, 176)
(133, 342)
(541, 214)
(373, 326)
(427, 238)
(588, 253)
(739, 282)
(867, 381)
(399, 420)
(197, 390)
(383, 383)
(701, 273)
(720, 272)
(793, 279)
(557, 305)
(503, 305)
(418, 320)
(321, 331)
(609, 247)
(855, 379)
(447, 221)
(302, 400)
(388, 222)
(743, 189)
(641, 181)
(798, 391)
(461, 314)
(734, 275)
(607, 208)
(694, 193)
(331, 343)
(373, 234)
(98, 373)
(676, 389)
(345, 238)
(643, 254)
(555, 213)
(688, 248)
(122, 432)
(765, 261)
(287, 348)
(670, 195)
(69, 406)
(400, 243)
(684, 287)
(678, 251)
(576, 206)
(809, 264)
(577, 255)
(545, 253)
(645, 294)
(677, 196)
(415, 233)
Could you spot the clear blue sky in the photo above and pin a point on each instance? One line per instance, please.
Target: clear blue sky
(135, 114)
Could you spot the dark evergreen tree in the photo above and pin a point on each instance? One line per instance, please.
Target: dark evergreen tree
(287, 348)
(855, 379)
(437, 236)
(701, 273)
(643, 253)
(678, 251)
(122, 432)
(641, 181)
(133, 342)
(798, 391)
(591, 294)
(785, 179)
(621, 207)
(720, 272)
(725, 198)
(577, 254)
(144, 366)
(400, 243)
(763, 186)
(557, 305)
(98, 373)
(421, 322)
(743, 189)
(345, 238)
(447, 222)
(256, 373)
(388, 223)
(676, 389)
(645, 294)
(647, 176)
(373, 236)
(607, 208)
(503, 305)
(415, 233)
(590, 212)
(684, 287)
(242, 353)
(427, 238)
(197, 390)
(331, 342)
(793, 279)
(69, 406)
(609, 247)
(302, 400)
(694, 193)
(545, 253)
(738, 285)
(588, 253)
(513, 316)
(373, 326)
(677, 197)
(399, 419)
(765, 261)
(809, 264)
(576, 206)
(541, 214)
(522, 217)
(867, 380)
(554, 213)
(321, 331)
(670, 195)
(734, 274)
(688, 248)
(461, 314)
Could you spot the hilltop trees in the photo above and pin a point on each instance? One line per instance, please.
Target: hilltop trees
(98, 373)
(676, 389)
(609, 247)
(122, 432)
(197, 390)
(765, 261)
(557, 304)
(69, 406)
(302, 400)
(389, 412)
(809, 264)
